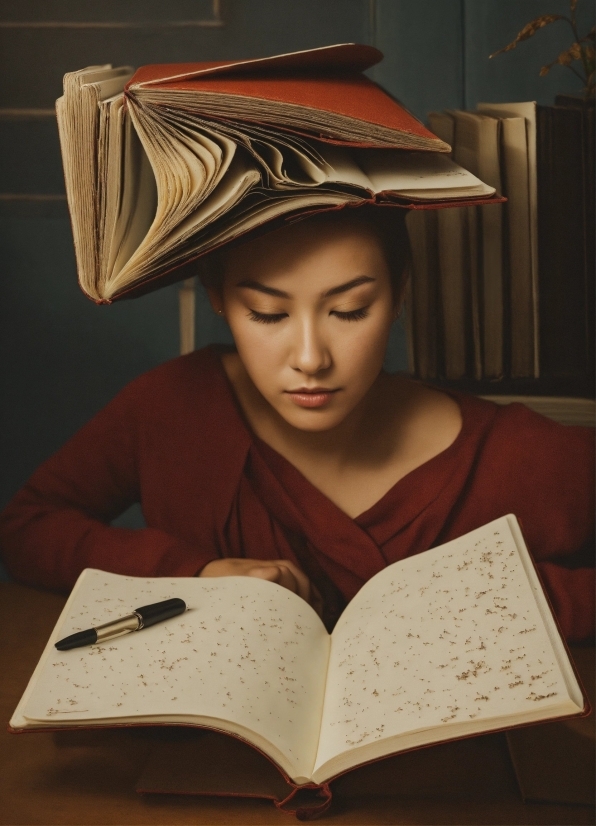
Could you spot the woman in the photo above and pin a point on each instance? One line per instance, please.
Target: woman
(294, 457)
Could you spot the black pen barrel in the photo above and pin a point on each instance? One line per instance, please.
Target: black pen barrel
(77, 640)
(159, 611)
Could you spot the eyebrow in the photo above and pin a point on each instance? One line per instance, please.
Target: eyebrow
(341, 288)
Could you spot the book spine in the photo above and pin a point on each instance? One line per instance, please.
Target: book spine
(564, 281)
(454, 282)
(423, 308)
(492, 289)
(476, 292)
(491, 222)
(516, 179)
(589, 177)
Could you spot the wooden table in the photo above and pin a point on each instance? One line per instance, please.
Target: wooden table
(89, 777)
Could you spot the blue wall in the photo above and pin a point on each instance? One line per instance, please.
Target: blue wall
(63, 357)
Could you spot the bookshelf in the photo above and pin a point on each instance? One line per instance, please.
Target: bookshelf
(523, 290)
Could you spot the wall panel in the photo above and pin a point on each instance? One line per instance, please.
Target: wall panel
(62, 356)
(30, 155)
(422, 43)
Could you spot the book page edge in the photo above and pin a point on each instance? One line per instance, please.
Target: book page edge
(18, 721)
(563, 659)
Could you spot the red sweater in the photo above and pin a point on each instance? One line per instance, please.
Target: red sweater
(175, 441)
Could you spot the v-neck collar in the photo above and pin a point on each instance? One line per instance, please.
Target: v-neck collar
(299, 504)
(397, 507)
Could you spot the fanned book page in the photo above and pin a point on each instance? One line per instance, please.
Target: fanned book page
(248, 657)
(159, 173)
(451, 642)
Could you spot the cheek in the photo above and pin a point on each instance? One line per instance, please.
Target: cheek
(258, 341)
(363, 344)
(261, 351)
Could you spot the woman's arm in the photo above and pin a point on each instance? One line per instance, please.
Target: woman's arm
(58, 523)
(544, 473)
(571, 593)
(281, 571)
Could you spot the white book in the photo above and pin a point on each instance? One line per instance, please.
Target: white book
(522, 188)
(452, 642)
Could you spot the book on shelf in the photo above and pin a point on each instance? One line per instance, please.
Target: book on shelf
(477, 147)
(455, 273)
(422, 300)
(167, 163)
(454, 279)
(518, 157)
(469, 261)
(450, 643)
(565, 167)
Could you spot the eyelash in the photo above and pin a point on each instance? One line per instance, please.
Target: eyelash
(354, 315)
(275, 318)
(266, 318)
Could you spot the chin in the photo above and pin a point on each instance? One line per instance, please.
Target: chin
(313, 421)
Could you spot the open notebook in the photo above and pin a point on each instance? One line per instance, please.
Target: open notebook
(452, 642)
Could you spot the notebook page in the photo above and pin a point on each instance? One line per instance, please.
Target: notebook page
(448, 638)
(246, 650)
(399, 171)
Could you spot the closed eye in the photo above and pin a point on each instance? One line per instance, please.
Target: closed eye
(267, 318)
(353, 315)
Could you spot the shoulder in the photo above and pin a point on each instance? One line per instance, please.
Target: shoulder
(188, 389)
(523, 434)
(538, 469)
(517, 451)
(185, 373)
(183, 411)
(509, 459)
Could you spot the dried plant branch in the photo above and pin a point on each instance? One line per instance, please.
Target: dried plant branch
(574, 52)
(530, 30)
(581, 50)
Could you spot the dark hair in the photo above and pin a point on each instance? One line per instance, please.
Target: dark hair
(387, 223)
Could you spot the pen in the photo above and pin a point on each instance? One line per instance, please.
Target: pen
(141, 618)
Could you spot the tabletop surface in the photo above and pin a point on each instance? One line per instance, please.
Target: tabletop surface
(89, 777)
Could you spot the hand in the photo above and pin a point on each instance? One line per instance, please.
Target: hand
(281, 571)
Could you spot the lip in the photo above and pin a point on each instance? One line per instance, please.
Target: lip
(311, 396)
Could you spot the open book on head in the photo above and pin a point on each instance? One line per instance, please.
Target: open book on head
(456, 641)
(168, 163)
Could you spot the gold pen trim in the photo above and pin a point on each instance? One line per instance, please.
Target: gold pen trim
(109, 630)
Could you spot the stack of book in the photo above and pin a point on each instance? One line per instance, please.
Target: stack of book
(502, 298)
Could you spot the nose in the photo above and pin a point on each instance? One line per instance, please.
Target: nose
(310, 351)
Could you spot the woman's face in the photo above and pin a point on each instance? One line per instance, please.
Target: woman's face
(310, 308)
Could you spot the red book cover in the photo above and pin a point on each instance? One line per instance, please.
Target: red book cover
(327, 80)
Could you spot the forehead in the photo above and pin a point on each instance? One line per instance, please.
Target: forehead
(323, 247)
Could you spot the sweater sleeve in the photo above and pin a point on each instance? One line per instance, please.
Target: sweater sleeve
(58, 523)
(563, 544)
(571, 593)
(544, 473)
